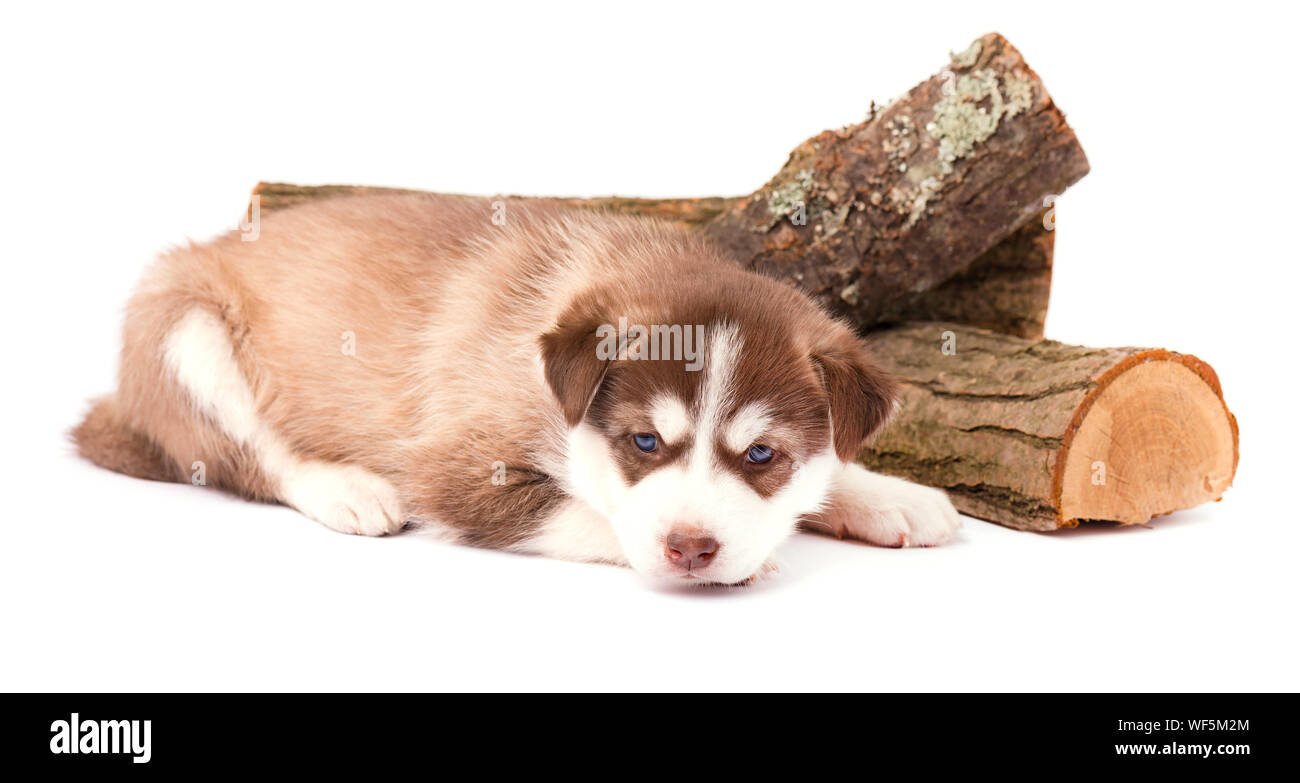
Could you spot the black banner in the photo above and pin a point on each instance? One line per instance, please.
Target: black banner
(148, 734)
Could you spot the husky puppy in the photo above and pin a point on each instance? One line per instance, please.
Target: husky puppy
(559, 382)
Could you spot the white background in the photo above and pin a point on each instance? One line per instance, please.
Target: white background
(128, 130)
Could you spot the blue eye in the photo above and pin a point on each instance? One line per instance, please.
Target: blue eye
(759, 454)
(646, 441)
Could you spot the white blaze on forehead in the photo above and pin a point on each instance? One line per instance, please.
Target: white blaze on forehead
(670, 418)
(698, 491)
(725, 345)
(746, 426)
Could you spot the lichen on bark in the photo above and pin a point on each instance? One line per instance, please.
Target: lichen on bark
(784, 199)
(959, 120)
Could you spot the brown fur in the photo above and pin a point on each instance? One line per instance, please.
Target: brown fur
(103, 439)
(801, 372)
(449, 312)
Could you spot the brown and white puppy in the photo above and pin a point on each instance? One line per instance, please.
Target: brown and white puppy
(565, 383)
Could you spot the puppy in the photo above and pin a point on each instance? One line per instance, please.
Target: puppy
(517, 375)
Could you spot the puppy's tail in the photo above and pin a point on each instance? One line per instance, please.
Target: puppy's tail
(104, 439)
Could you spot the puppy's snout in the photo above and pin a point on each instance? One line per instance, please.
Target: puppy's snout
(690, 549)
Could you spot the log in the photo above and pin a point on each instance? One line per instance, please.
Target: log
(691, 212)
(1005, 290)
(871, 218)
(1039, 435)
(905, 200)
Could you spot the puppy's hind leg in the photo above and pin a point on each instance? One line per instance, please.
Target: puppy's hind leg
(346, 498)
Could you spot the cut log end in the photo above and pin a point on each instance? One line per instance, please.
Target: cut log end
(1153, 437)
(1039, 435)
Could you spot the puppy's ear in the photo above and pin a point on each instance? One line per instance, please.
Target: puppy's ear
(861, 394)
(573, 363)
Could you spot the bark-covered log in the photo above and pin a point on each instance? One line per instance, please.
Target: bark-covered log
(903, 201)
(1040, 435)
(1005, 290)
(694, 212)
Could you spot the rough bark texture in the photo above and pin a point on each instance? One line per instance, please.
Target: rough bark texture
(1005, 290)
(687, 211)
(902, 202)
(992, 419)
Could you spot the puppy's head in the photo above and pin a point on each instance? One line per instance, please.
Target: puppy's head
(706, 420)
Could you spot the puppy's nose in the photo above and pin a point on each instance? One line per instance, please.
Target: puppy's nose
(688, 549)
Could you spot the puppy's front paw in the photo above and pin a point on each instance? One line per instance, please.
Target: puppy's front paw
(768, 570)
(889, 511)
(345, 498)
